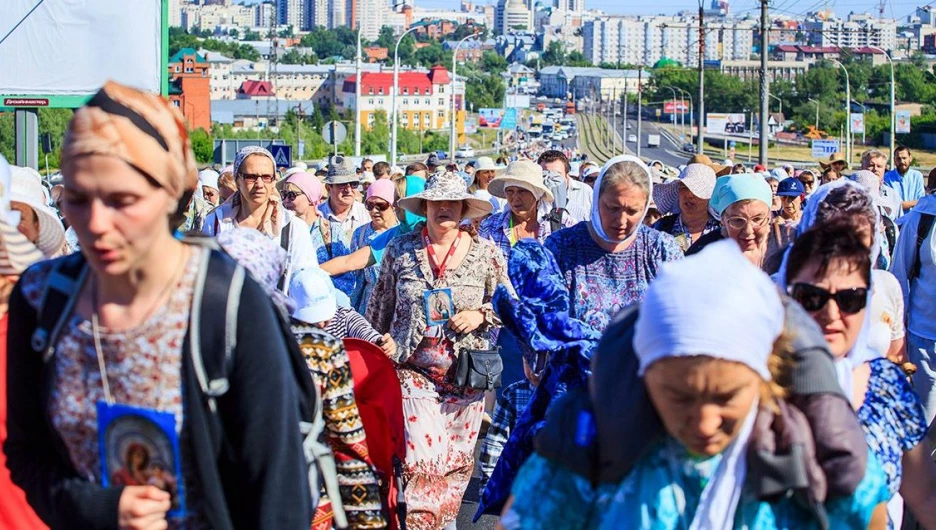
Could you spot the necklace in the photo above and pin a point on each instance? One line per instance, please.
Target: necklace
(96, 334)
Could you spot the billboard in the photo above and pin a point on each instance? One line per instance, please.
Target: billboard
(823, 148)
(903, 122)
(77, 47)
(510, 120)
(518, 101)
(490, 118)
(733, 123)
(857, 123)
(676, 106)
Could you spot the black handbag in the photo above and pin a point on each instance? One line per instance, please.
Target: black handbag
(479, 369)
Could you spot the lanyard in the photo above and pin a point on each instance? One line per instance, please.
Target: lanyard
(439, 268)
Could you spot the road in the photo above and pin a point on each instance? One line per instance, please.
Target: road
(669, 152)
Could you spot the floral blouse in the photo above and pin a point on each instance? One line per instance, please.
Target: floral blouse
(396, 306)
(143, 367)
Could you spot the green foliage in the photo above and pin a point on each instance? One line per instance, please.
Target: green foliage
(556, 54)
(486, 91)
(251, 35)
(493, 62)
(52, 121)
(202, 146)
(179, 39)
(339, 42)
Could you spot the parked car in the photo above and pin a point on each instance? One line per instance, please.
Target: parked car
(465, 151)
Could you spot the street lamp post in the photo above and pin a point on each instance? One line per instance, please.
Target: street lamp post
(848, 133)
(778, 100)
(689, 96)
(673, 90)
(357, 96)
(893, 117)
(817, 113)
(396, 89)
(452, 118)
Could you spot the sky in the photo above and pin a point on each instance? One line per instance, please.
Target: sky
(898, 9)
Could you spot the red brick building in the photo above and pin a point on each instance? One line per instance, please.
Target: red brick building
(376, 54)
(190, 89)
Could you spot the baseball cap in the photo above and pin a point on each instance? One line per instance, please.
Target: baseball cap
(790, 188)
(314, 295)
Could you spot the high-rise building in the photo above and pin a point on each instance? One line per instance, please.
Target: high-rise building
(858, 31)
(291, 13)
(370, 17)
(175, 13)
(513, 15)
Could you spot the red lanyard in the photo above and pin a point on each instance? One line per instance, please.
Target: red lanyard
(439, 268)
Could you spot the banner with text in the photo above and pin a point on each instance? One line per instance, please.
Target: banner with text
(857, 123)
(903, 121)
(823, 148)
(725, 123)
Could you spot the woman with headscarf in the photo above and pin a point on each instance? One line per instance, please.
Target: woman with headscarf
(443, 415)
(742, 204)
(609, 261)
(226, 185)
(828, 270)
(37, 221)
(872, 184)
(303, 193)
(711, 380)
(128, 171)
(684, 205)
(379, 201)
(208, 184)
(257, 204)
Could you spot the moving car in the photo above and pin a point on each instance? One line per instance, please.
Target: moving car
(632, 138)
(465, 151)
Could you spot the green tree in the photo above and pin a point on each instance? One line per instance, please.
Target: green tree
(202, 146)
(233, 33)
(493, 62)
(251, 35)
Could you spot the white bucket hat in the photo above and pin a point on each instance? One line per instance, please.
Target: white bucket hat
(26, 187)
(16, 252)
(448, 186)
(486, 163)
(524, 174)
(313, 293)
(699, 178)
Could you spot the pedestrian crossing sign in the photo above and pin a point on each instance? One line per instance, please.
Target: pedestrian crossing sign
(282, 154)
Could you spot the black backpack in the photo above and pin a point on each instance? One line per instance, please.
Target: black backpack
(218, 287)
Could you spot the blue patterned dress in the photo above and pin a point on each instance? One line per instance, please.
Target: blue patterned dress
(547, 495)
(366, 278)
(603, 283)
(330, 243)
(892, 419)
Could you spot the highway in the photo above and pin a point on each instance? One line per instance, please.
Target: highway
(669, 152)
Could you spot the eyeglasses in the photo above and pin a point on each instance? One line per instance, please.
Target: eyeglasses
(380, 206)
(740, 223)
(814, 298)
(346, 185)
(292, 195)
(251, 178)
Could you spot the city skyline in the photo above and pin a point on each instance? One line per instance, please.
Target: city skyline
(791, 8)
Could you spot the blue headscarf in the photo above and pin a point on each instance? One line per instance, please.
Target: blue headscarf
(414, 185)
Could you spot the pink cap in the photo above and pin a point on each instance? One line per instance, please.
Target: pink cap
(310, 186)
(382, 189)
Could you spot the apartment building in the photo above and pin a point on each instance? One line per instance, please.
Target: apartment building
(858, 31)
(424, 97)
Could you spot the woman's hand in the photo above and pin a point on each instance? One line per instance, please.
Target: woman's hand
(388, 345)
(466, 321)
(143, 508)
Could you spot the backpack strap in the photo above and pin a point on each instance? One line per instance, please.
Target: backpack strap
(285, 235)
(218, 285)
(57, 302)
(923, 229)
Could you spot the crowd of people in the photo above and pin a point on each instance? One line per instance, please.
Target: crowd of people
(264, 347)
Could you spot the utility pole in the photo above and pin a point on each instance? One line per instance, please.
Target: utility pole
(357, 95)
(639, 106)
(700, 138)
(764, 88)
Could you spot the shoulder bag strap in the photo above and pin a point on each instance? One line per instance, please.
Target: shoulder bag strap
(57, 303)
(924, 227)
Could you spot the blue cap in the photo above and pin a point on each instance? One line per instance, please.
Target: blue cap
(730, 189)
(790, 188)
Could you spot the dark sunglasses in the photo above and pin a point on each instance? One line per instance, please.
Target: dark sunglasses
(250, 178)
(814, 298)
(380, 206)
(292, 195)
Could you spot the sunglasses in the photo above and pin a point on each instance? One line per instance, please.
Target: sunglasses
(379, 206)
(814, 298)
(740, 223)
(292, 195)
(251, 178)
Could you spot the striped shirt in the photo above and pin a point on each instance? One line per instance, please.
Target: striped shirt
(349, 323)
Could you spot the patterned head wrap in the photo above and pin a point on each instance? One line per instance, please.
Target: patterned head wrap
(264, 258)
(273, 218)
(141, 129)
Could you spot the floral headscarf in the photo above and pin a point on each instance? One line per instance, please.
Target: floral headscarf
(264, 258)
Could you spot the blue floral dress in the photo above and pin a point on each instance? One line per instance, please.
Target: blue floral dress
(330, 242)
(365, 279)
(892, 418)
(547, 495)
(603, 283)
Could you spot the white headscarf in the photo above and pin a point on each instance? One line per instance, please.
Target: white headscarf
(596, 216)
(677, 319)
(861, 352)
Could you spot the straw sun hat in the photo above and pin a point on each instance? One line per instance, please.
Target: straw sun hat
(524, 174)
(447, 186)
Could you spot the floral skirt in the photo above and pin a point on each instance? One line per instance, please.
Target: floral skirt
(441, 432)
